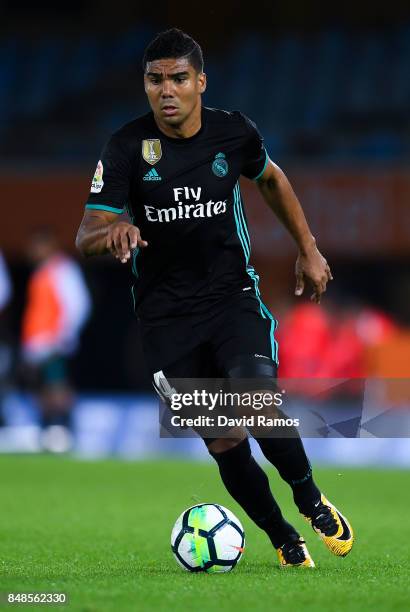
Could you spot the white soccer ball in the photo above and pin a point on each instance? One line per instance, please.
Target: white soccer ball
(207, 538)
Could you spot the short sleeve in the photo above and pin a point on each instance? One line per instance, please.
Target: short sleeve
(110, 186)
(255, 155)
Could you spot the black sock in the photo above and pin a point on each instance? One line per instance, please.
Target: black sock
(249, 486)
(289, 458)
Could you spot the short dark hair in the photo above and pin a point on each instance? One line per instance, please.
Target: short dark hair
(176, 44)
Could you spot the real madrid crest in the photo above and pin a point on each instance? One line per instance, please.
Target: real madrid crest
(220, 166)
(151, 150)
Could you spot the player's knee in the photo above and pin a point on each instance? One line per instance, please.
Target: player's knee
(253, 378)
(221, 446)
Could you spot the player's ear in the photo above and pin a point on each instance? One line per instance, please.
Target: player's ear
(145, 83)
(202, 82)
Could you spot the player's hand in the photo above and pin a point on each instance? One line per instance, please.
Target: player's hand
(312, 267)
(122, 237)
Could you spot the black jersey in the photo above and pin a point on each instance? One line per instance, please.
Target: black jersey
(184, 196)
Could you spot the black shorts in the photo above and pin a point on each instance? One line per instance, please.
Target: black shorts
(234, 340)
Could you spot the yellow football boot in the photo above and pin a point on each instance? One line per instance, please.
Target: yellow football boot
(333, 528)
(294, 554)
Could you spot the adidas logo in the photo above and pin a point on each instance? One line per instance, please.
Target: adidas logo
(152, 175)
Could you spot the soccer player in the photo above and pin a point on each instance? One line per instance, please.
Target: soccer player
(176, 172)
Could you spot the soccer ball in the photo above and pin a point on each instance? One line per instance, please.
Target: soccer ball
(207, 538)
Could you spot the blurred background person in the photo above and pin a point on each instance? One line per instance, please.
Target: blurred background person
(343, 343)
(57, 307)
(334, 341)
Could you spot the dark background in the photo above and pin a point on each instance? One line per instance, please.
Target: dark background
(329, 89)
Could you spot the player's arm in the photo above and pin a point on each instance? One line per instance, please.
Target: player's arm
(101, 232)
(280, 197)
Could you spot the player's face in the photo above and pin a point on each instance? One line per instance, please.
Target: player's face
(174, 89)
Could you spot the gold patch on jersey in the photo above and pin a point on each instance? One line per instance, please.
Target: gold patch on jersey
(151, 150)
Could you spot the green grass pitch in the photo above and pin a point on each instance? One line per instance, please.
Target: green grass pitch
(100, 531)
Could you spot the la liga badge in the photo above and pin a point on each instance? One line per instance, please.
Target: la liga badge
(98, 183)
